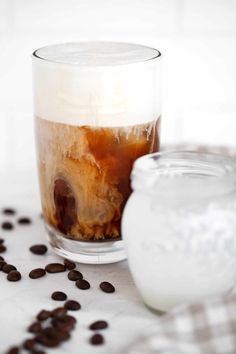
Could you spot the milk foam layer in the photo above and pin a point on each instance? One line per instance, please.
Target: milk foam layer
(97, 84)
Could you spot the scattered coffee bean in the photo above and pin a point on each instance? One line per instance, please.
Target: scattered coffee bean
(36, 351)
(82, 284)
(7, 268)
(2, 248)
(59, 311)
(43, 315)
(2, 264)
(37, 273)
(72, 305)
(49, 337)
(74, 275)
(1, 241)
(29, 344)
(65, 323)
(55, 268)
(7, 225)
(107, 287)
(9, 211)
(14, 275)
(69, 265)
(63, 335)
(98, 325)
(35, 327)
(1, 258)
(24, 221)
(59, 296)
(38, 249)
(13, 350)
(97, 339)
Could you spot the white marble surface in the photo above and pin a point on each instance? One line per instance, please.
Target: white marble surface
(21, 301)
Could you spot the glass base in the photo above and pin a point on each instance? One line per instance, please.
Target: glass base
(86, 252)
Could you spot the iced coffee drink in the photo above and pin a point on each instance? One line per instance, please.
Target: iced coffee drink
(84, 175)
(95, 115)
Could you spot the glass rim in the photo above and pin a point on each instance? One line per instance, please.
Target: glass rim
(36, 56)
(178, 171)
(185, 174)
(199, 159)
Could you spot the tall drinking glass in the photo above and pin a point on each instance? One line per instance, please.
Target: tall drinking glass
(97, 109)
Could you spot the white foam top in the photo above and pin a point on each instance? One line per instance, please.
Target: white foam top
(97, 53)
(97, 83)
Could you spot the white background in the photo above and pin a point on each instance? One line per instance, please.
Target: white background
(197, 39)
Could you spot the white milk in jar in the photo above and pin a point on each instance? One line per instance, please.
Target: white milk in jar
(179, 227)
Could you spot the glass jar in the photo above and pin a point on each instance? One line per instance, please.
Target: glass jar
(179, 227)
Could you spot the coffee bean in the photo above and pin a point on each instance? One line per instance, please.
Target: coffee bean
(49, 337)
(9, 211)
(37, 273)
(38, 249)
(24, 221)
(74, 275)
(35, 327)
(107, 287)
(1, 241)
(7, 225)
(97, 339)
(63, 335)
(2, 264)
(13, 350)
(69, 265)
(1, 259)
(29, 344)
(2, 248)
(59, 311)
(7, 268)
(14, 275)
(55, 268)
(36, 351)
(82, 284)
(98, 325)
(72, 305)
(65, 323)
(43, 315)
(59, 296)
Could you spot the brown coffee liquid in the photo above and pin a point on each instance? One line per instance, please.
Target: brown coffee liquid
(85, 175)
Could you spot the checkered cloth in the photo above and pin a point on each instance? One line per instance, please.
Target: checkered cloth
(204, 328)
